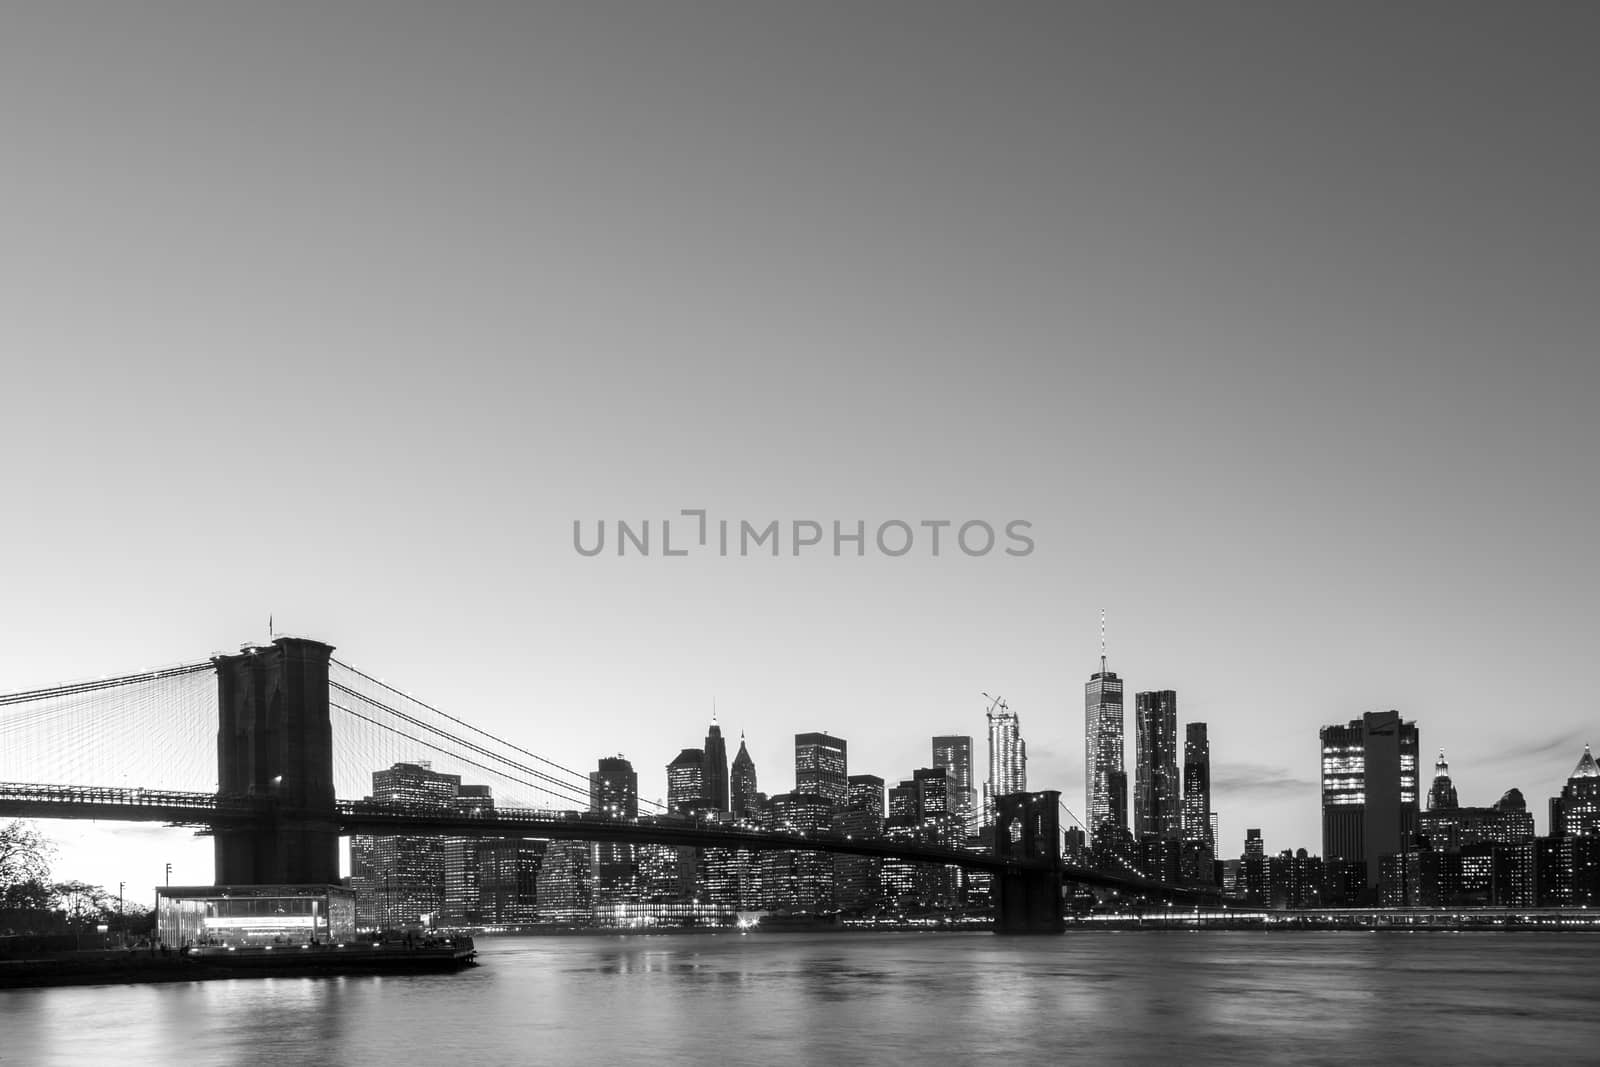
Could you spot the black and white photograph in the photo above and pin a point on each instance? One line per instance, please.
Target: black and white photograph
(799, 532)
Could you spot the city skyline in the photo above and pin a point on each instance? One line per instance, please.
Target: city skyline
(1284, 322)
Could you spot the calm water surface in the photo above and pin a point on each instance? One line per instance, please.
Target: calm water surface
(1134, 997)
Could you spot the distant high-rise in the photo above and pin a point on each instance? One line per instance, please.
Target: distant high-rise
(1008, 758)
(686, 776)
(716, 768)
(821, 768)
(1199, 822)
(1576, 812)
(1157, 809)
(1197, 784)
(1369, 789)
(1106, 783)
(742, 783)
(954, 754)
(1442, 794)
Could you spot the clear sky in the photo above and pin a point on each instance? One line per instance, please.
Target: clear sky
(1277, 322)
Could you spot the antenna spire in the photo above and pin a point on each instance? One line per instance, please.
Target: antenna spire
(1102, 640)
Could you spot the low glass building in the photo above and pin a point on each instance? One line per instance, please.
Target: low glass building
(242, 915)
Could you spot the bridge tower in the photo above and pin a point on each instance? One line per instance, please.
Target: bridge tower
(275, 744)
(1027, 833)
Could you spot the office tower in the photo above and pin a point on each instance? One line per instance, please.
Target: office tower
(613, 794)
(614, 789)
(955, 755)
(1576, 812)
(1369, 790)
(1254, 867)
(398, 878)
(820, 768)
(799, 880)
(742, 783)
(1442, 794)
(564, 886)
(1197, 815)
(857, 879)
(1105, 781)
(1199, 841)
(716, 768)
(1008, 758)
(463, 861)
(686, 781)
(1157, 789)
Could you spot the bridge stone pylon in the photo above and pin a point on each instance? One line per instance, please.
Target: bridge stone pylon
(1027, 833)
(275, 744)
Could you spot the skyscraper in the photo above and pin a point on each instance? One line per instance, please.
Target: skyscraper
(716, 768)
(1442, 794)
(614, 793)
(686, 776)
(1369, 790)
(821, 768)
(1199, 824)
(1197, 784)
(1106, 783)
(742, 783)
(955, 755)
(1576, 812)
(398, 878)
(1157, 789)
(1008, 758)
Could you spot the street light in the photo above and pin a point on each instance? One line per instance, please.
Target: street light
(169, 874)
(122, 926)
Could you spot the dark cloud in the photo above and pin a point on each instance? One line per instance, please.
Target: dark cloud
(1258, 778)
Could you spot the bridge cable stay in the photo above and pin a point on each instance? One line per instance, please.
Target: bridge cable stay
(432, 747)
(396, 722)
(151, 730)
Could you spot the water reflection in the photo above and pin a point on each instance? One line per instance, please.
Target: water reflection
(1143, 997)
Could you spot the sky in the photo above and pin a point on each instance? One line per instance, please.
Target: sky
(1276, 323)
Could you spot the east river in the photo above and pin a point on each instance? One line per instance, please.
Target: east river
(788, 998)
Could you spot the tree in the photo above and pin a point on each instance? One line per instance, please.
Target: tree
(24, 856)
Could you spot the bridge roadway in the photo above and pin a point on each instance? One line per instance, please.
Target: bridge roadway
(210, 810)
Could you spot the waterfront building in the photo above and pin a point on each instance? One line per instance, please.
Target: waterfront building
(821, 767)
(743, 794)
(858, 879)
(463, 862)
(399, 878)
(1253, 868)
(1369, 790)
(564, 885)
(796, 880)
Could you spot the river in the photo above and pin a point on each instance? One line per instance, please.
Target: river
(790, 998)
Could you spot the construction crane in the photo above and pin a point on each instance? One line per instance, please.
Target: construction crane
(994, 702)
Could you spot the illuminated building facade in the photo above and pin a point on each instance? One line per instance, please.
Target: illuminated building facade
(400, 878)
(1369, 790)
(1157, 809)
(1106, 782)
(821, 768)
(715, 788)
(954, 754)
(1008, 759)
(1199, 822)
(686, 781)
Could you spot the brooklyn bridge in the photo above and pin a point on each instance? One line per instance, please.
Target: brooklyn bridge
(296, 733)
